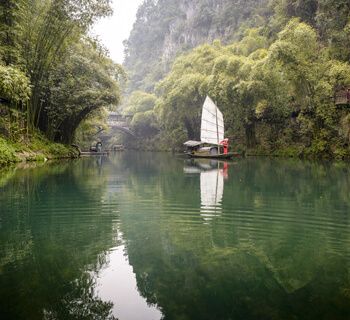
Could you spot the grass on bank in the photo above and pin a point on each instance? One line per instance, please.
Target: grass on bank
(19, 145)
(35, 148)
(7, 153)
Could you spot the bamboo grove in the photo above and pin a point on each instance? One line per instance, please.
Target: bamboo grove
(272, 66)
(52, 74)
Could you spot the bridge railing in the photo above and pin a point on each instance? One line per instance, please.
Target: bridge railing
(118, 124)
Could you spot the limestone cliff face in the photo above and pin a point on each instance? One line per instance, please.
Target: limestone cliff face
(194, 27)
(165, 28)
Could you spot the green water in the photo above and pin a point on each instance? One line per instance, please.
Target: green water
(151, 236)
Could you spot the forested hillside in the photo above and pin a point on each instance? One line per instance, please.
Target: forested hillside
(166, 28)
(272, 66)
(52, 74)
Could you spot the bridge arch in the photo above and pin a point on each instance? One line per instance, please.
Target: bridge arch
(117, 121)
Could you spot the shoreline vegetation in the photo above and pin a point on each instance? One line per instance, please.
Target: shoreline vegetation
(53, 76)
(36, 148)
(39, 149)
(273, 67)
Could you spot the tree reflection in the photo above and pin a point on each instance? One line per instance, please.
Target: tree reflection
(80, 302)
(55, 236)
(278, 249)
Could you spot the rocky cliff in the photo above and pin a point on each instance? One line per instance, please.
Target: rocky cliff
(164, 29)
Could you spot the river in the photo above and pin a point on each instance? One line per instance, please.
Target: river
(155, 236)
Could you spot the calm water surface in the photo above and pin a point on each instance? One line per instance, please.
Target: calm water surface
(153, 236)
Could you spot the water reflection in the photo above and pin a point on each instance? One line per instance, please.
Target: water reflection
(278, 249)
(116, 282)
(55, 233)
(123, 237)
(212, 175)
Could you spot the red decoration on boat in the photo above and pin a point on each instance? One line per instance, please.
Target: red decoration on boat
(225, 144)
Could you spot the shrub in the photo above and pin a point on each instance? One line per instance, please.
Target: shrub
(7, 153)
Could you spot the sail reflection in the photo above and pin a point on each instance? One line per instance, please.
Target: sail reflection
(212, 176)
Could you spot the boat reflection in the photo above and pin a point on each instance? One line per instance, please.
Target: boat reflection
(212, 176)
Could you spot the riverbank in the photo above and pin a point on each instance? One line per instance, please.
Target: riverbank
(34, 148)
(315, 151)
(301, 152)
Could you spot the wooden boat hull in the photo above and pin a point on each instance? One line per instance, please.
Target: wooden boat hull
(92, 153)
(229, 155)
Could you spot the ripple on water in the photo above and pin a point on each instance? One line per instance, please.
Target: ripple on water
(264, 239)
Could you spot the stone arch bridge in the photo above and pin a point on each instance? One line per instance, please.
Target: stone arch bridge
(118, 122)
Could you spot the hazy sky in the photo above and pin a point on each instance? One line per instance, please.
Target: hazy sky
(114, 30)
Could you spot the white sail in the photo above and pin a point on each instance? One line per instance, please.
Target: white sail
(212, 126)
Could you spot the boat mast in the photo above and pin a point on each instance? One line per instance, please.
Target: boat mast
(217, 126)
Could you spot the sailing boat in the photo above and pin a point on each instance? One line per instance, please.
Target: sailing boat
(212, 144)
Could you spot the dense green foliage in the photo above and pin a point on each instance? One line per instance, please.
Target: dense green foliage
(272, 66)
(94, 86)
(165, 28)
(50, 70)
(141, 105)
(259, 89)
(7, 153)
(273, 75)
(38, 148)
(14, 85)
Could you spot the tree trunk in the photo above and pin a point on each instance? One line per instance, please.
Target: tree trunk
(250, 135)
(68, 127)
(190, 131)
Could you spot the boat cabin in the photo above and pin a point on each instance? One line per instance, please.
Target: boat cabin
(200, 148)
(192, 145)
